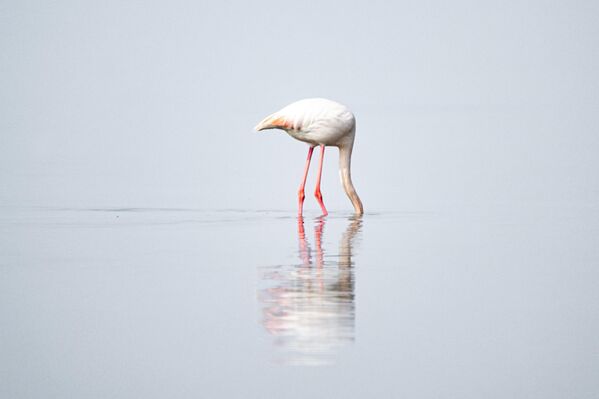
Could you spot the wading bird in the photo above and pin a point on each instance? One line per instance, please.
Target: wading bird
(319, 122)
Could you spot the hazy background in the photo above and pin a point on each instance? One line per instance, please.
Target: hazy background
(126, 140)
(152, 104)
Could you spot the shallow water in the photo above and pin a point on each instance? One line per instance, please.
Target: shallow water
(497, 301)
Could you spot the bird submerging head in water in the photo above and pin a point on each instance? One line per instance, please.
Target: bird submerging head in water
(319, 122)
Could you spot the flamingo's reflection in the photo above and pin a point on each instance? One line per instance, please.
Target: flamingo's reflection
(310, 308)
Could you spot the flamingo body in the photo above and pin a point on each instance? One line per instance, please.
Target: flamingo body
(319, 122)
(316, 121)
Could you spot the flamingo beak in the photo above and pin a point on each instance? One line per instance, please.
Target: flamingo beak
(264, 124)
(274, 121)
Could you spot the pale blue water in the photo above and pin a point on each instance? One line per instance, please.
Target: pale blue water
(497, 301)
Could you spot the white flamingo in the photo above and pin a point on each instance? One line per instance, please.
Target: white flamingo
(320, 122)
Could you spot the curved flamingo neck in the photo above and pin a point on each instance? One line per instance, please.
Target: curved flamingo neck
(345, 174)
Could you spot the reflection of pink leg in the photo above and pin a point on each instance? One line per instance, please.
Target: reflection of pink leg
(300, 193)
(317, 193)
(318, 228)
(319, 252)
(304, 251)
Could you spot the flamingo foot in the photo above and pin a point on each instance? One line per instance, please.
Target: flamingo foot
(300, 199)
(318, 196)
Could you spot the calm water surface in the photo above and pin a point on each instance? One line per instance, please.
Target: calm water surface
(497, 301)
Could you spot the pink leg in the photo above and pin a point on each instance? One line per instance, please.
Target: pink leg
(300, 193)
(317, 193)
